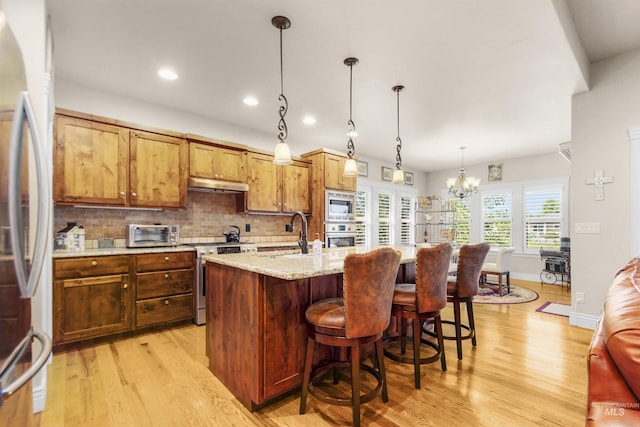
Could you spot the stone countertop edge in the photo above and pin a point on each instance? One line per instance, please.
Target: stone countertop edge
(133, 251)
(121, 251)
(290, 266)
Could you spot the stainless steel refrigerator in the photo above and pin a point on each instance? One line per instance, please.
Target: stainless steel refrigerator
(24, 234)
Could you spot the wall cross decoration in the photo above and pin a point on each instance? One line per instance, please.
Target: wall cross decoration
(598, 182)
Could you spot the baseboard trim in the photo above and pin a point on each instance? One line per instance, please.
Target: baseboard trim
(582, 320)
(39, 396)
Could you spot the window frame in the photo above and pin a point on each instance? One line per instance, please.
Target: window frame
(518, 209)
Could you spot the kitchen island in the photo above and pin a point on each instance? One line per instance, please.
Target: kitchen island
(256, 329)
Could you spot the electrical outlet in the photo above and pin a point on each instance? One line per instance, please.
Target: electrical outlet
(247, 228)
(580, 297)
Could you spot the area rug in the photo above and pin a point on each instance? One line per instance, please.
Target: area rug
(516, 296)
(555, 308)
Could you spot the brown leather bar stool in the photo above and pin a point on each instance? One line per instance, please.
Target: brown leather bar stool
(462, 288)
(357, 319)
(421, 301)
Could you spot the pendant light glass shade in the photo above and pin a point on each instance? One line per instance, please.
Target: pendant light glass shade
(350, 166)
(282, 154)
(463, 186)
(398, 177)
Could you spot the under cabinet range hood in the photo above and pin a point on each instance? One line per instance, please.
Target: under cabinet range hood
(205, 184)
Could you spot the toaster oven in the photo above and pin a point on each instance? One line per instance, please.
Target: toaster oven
(145, 236)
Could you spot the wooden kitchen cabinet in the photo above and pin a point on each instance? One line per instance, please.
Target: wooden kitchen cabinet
(164, 287)
(91, 297)
(158, 170)
(214, 162)
(99, 161)
(327, 174)
(98, 296)
(263, 359)
(277, 188)
(333, 174)
(91, 162)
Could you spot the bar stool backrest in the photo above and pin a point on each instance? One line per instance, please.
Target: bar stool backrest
(432, 268)
(368, 284)
(470, 263)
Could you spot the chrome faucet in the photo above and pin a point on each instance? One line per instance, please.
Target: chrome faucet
(302, 241)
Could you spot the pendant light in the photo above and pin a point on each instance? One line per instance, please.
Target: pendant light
(282, 153)
(398, 175)
(350, 166)
(462, 186)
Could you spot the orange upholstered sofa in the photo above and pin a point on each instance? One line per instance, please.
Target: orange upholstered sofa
(614, 354)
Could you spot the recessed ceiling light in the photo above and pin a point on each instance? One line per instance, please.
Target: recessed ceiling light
(250, 100)
(167, 74)
(309, 120)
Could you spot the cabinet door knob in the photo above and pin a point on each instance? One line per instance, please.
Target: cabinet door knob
(166, 302)
(166, 258)
(216, 175)
(94, 263)
(122, 193)
(125, 286)
(166, 276)
(134, 194)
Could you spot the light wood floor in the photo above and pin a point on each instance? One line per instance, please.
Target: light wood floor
(529, 369)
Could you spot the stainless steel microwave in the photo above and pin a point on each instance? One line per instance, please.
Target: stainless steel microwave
(145, 236)
(340, 206)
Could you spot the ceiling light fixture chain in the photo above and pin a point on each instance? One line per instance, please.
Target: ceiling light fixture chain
(350, 166)
(398, 174)
(282, 155)
(350, 62)
(397, 90)
(282, 24)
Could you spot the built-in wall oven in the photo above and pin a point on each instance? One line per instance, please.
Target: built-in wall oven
(340, 234)
(200, 288)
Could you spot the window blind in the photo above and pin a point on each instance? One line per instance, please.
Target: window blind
(496, 219)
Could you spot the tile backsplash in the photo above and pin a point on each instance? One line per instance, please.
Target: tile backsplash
(207, 216)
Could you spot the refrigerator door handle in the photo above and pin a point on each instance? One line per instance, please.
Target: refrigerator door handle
(27, 282)
(36, 365)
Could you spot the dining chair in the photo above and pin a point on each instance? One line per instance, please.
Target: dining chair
(419, 302)
(357, 319)
(499, 268)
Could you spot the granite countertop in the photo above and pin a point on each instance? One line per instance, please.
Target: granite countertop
(133, 251)
(291, 265)
(121, 251)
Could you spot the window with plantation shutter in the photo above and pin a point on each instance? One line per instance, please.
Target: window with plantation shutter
(496, 218)
(363, 200)
(463, 220)
(407, 220)
(543, 217)
(384, 219)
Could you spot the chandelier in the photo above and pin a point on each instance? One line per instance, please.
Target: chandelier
(462, 186)
(350, 166)
(282, 153)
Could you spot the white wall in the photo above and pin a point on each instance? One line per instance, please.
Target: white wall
(552, 165)
(75, 97)
(601, 118)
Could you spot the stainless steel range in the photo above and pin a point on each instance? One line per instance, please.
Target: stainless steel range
(202, 249)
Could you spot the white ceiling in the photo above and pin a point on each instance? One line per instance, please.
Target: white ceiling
(494, 75)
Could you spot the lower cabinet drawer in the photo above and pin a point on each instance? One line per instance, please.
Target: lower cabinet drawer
(162, 310)
(158, 284)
